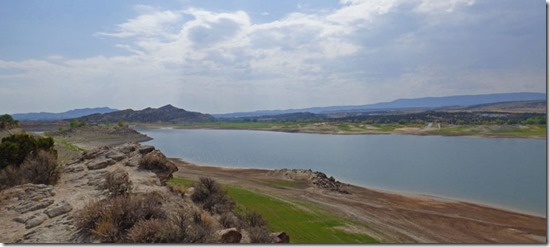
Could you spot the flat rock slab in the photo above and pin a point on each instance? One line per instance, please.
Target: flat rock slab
(115, 155)
(35, 220)
(100, 164)
(32, 206)
(60, 208)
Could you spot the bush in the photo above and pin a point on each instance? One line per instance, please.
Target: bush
(154, 162)
(14, 149)
(259, 235)
(256, 226)
(229, 220)
(39, 169)
(140, 219)
(110, 219)
(212, 197)
(118, 183)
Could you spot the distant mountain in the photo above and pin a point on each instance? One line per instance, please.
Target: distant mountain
(419, 103)
(533, 106)
(165, 114)
(48, 116)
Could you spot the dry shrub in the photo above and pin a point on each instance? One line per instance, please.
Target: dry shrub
(156, 162)
(118, 183)
(159, 164)
(140, 219)
(41, 168)
(256, 226)
(229, 220)
(259, 235)
(212, 197)
(154, 231)
(110, 219)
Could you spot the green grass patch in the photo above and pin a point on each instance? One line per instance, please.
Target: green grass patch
(304, 222)
(343, 127)
(67, 145)
(280, 183)
(387, 127)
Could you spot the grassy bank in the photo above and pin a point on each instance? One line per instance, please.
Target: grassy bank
(304, 222)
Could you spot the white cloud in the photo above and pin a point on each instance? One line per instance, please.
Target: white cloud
(361, 52)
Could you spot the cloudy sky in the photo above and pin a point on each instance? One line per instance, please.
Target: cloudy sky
(224, 56)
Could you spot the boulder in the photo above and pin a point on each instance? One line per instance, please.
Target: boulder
(230, 235)
(100, 163)
(280, 238)
(58, 209)
(146, 149)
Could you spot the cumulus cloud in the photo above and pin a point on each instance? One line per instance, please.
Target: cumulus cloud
(361, 52)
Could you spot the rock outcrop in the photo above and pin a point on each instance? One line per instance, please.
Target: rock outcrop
(36, 213)
(314, 178)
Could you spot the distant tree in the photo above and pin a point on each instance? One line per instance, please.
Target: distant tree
(75, 123)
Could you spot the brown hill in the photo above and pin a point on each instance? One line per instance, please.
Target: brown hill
(165, 114)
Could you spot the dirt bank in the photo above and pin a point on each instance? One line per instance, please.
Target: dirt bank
(389, 217)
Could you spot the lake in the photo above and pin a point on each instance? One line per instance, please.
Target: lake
(503, 172)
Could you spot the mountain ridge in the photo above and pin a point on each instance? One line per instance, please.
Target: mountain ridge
(50, 116)
(405, 103)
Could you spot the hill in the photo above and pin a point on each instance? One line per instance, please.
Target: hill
(403, 104)
(49, 116)
(165, 114)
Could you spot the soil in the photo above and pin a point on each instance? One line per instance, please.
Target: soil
(391, 217)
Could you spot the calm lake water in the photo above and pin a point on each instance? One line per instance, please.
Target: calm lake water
(504, 172)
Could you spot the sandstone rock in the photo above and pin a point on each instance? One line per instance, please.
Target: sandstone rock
(146, 149)
(35, 220)
(127, 148)
(280, 237)
(133, 161)
(58, 209)
(115, 155)
(230, 235)
(28, 206)
(74, 169)
(100, 163)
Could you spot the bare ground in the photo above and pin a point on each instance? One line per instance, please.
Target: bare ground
(391, 217)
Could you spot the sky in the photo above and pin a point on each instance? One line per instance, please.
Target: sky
(244, 55)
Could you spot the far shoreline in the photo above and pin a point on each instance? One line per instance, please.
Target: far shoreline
(175, 127)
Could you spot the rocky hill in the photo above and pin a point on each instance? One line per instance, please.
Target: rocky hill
(107, 194)
(165, 114)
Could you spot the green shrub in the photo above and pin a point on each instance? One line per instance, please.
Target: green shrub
(212, 197)
(14, 149)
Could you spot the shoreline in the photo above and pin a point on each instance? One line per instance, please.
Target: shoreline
(412, 133)
(411, 194)
(389, 216)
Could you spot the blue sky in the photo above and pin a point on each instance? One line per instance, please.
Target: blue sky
(225, 56)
